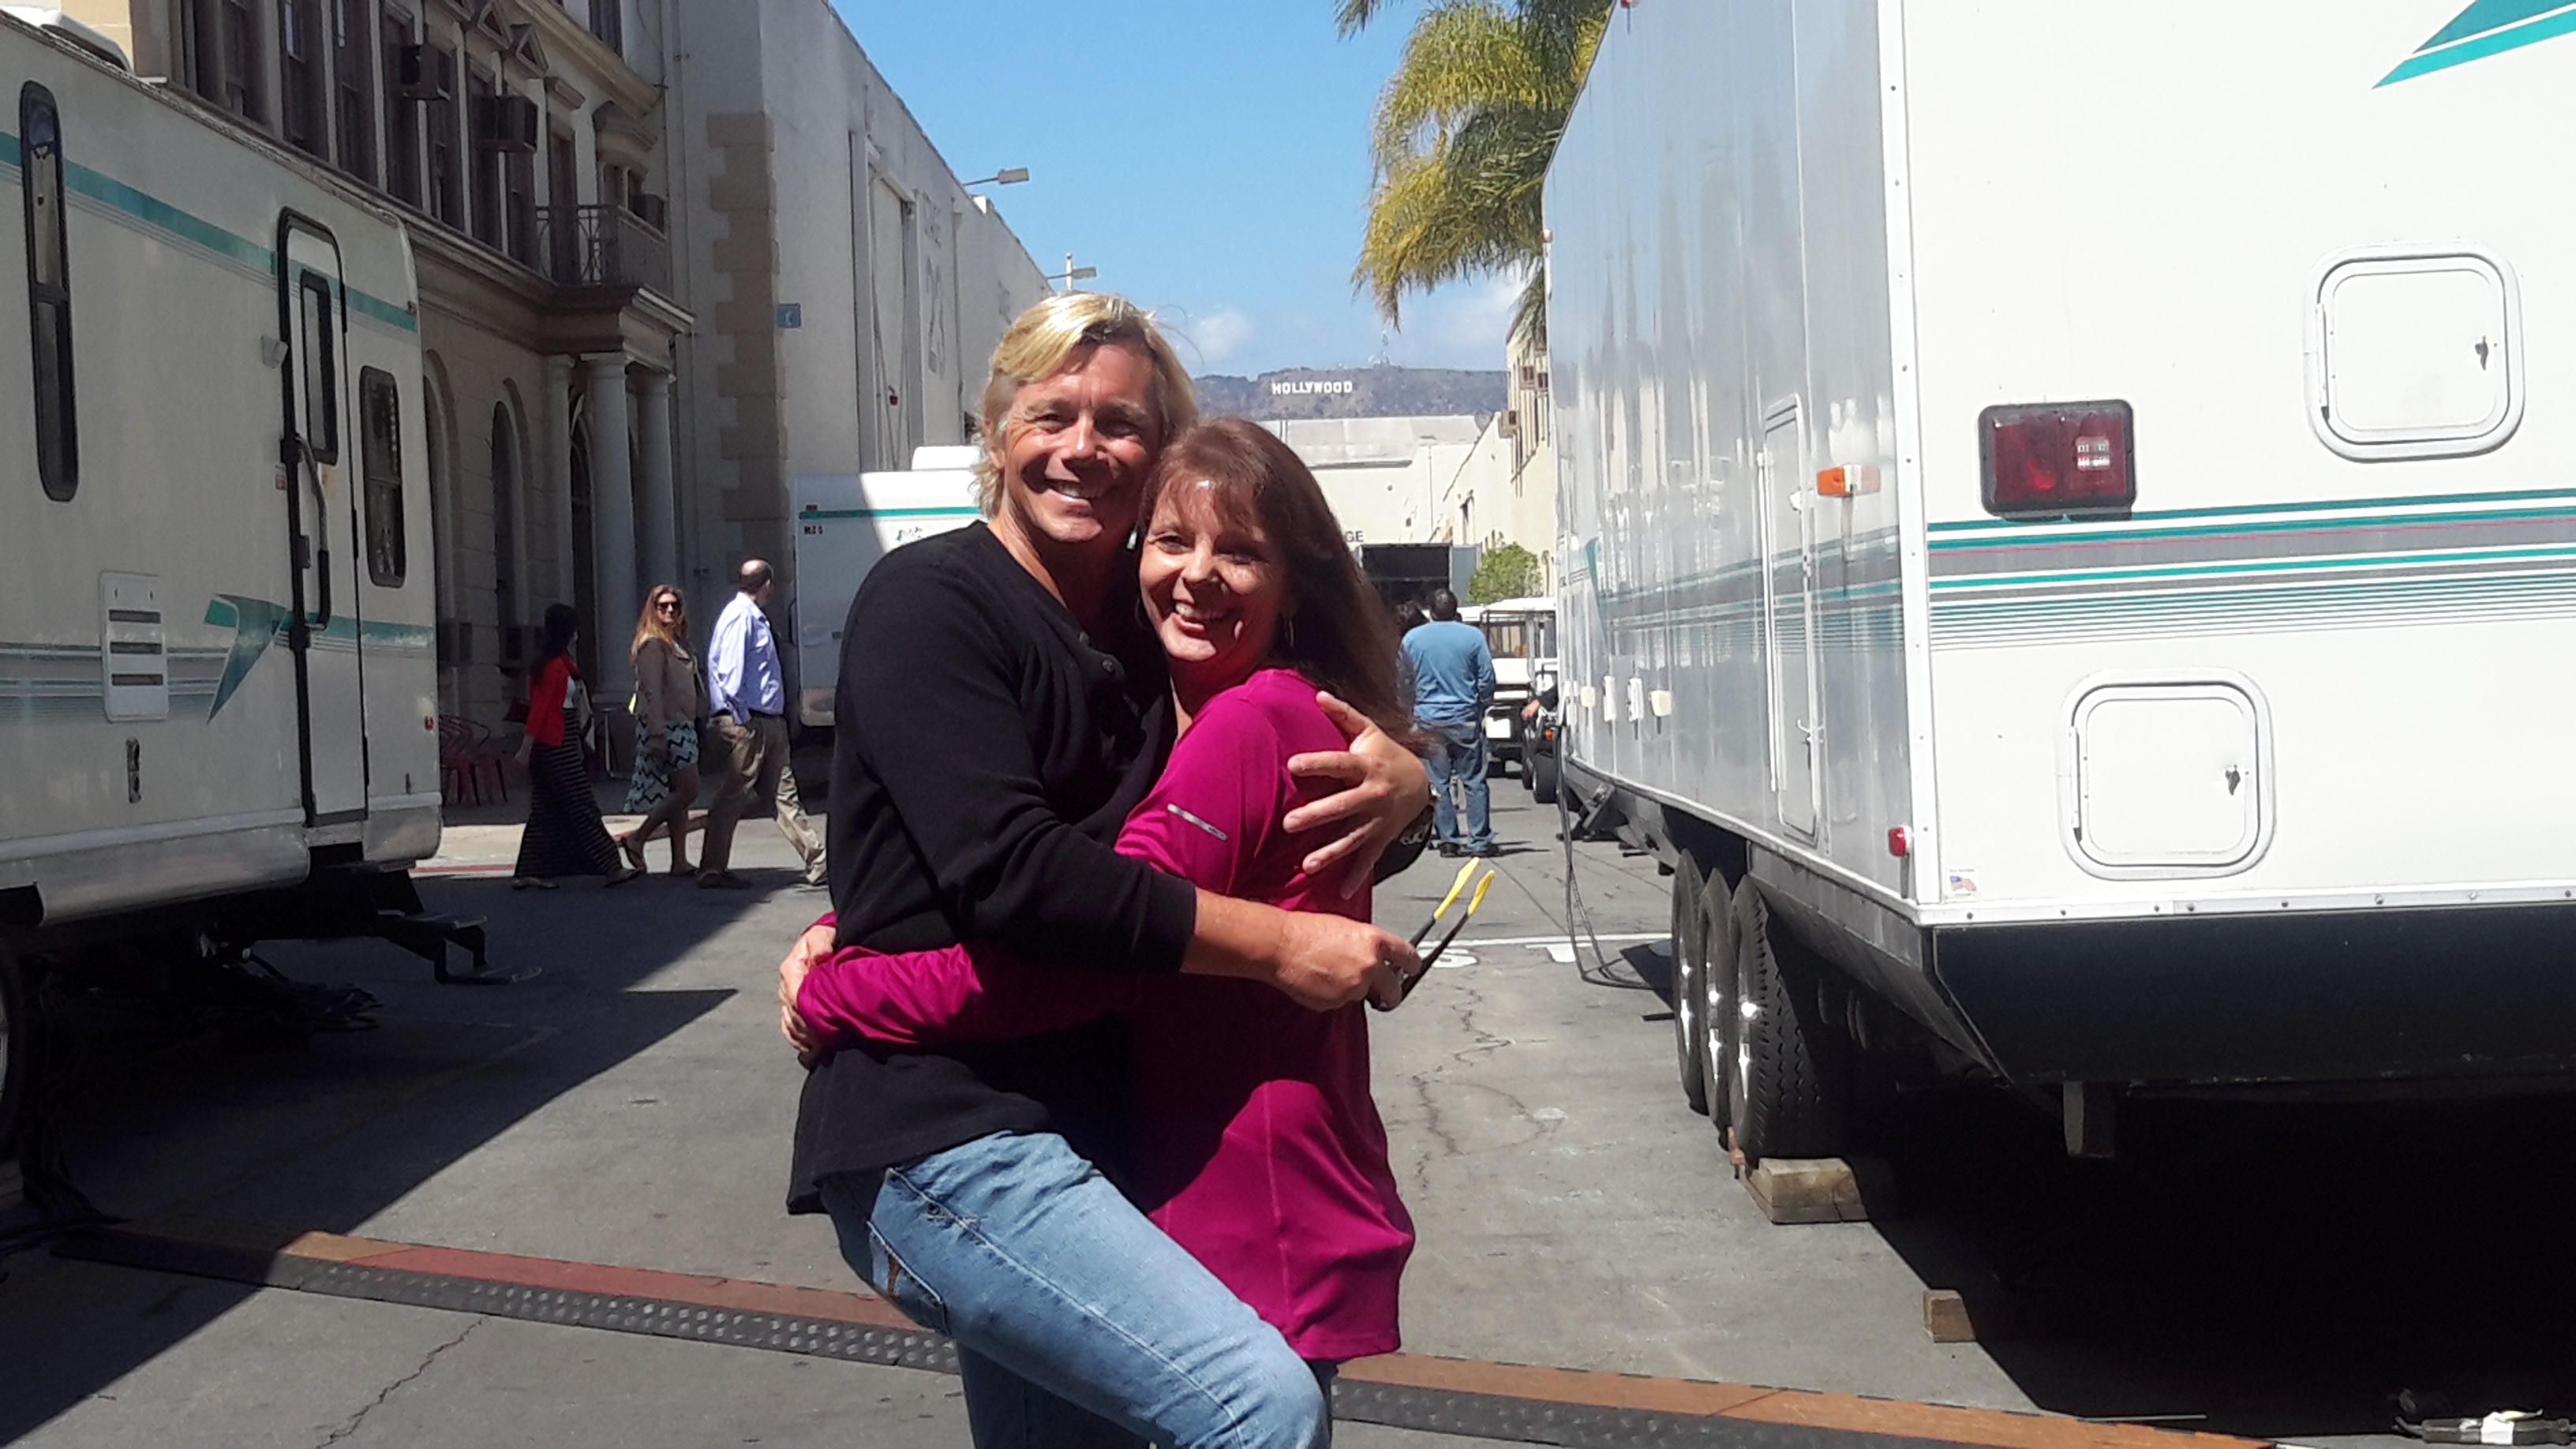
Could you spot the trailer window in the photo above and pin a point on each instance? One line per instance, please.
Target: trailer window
(380, 416)
(319, 372)
(49, 293)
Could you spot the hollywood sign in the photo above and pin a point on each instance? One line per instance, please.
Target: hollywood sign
(1301, 389)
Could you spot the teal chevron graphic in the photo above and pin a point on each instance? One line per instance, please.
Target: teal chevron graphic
(256, 624)
(2489, 27)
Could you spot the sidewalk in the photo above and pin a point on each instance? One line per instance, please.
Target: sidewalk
(481, 840)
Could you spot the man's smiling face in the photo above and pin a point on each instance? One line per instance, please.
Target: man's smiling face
(1074, 453)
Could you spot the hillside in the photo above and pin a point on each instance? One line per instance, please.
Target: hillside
(1354, 392)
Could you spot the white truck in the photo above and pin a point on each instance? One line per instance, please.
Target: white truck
(2068, 552)
(844, 524)
(1522, 635)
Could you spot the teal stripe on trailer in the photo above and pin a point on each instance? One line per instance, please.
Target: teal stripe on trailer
(891, 513)
(196, 231)
(1973, 584)
(2249, 510)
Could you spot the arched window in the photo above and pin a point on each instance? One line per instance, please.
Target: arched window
(49, 292)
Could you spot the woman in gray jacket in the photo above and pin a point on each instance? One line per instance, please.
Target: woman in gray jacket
(670, 699)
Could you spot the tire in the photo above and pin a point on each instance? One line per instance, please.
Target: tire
(17, 1031)
(1717, 1002)
(1690, 969)
(1789, 1097)
(1542, 773)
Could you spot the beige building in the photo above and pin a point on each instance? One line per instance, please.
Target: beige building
(1385, 477)
(849, 289)
(1505, 491)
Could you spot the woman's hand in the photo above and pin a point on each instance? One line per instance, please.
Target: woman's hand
(812, 946)
(1387, 790)
(527, 748)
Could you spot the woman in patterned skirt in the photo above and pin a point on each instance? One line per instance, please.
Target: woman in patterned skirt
(670, 698)
(564, 834)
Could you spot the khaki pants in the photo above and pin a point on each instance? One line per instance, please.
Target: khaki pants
(754, 757)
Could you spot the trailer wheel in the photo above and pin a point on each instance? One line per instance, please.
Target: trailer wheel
(17, 1030)
(1717, 1002)
(1690, 972)
(1787, 1098)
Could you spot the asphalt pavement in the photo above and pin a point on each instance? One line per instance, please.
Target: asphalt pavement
(630, 1106)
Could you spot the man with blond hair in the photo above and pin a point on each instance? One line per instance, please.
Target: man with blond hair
(1002, 706)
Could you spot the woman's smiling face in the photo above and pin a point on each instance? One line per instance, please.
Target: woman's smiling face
(1215, 589)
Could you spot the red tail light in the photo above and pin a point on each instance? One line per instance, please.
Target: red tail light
(2056, 459)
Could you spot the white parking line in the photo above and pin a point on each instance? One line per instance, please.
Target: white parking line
(1605, 936)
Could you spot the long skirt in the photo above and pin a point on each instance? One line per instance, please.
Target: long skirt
(564, 834)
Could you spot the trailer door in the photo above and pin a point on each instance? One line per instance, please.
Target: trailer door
(1789, 618)
(316, 453)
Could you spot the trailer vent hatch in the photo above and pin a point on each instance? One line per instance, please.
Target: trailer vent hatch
(2167, 778)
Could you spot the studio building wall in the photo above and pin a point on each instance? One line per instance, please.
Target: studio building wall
(850, 288)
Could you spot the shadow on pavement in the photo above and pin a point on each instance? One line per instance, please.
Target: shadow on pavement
(162, 1121)
(2276, 1270)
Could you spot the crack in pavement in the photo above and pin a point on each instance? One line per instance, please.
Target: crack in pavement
(360, 1417)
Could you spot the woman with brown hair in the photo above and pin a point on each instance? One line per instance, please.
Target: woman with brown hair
(670, 699)
(1254, 1141)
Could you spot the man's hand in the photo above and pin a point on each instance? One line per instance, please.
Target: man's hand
(1388, 789)
(810, 947)
(1331, 961)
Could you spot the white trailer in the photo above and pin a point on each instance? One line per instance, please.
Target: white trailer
(844, 524)
(2069, 547)
(218, 712)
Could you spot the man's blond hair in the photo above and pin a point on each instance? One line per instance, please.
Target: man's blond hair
(1045, 338)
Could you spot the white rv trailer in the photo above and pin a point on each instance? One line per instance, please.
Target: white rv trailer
(218, 715)
(844, 524)
(2070, 537)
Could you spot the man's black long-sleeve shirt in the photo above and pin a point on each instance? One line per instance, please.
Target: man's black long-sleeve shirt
(987, 751)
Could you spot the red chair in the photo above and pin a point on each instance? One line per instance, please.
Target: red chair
(466, 754)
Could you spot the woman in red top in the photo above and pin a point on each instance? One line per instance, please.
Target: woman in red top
(1255, 1142)
(564, 834)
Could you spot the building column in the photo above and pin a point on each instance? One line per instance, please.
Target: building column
(612, 518)
(654, 497)
(558, 453)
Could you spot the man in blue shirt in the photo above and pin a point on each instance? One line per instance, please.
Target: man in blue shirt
(747, 700)
(1453, 685)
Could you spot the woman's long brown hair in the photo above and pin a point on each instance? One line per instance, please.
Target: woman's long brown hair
(1336, 633)
(650, 626)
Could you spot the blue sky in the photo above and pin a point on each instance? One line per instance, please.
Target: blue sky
(1210, 157)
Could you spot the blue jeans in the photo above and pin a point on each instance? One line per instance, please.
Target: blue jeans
(1458, 756)
(1079, 1325)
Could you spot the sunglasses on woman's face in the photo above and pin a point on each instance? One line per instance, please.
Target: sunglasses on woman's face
(668, 606)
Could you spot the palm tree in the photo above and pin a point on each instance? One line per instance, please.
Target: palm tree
(1464, 130)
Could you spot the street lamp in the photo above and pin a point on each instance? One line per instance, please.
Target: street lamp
(1072, 274)
(1007, 176)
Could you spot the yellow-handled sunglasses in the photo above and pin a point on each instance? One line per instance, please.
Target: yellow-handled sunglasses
(1474, 900)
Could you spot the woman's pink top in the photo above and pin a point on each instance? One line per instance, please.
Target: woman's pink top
(1256, 1143)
